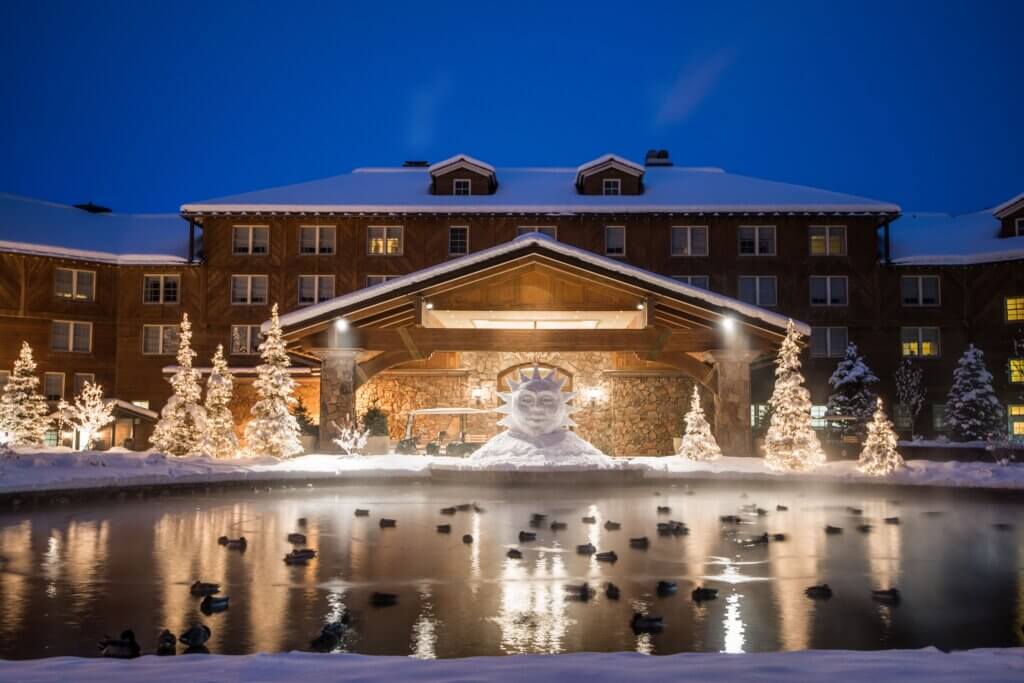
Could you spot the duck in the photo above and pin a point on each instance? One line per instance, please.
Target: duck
(666, 588)
(781, 508)
(362, 513)
(297, 539)
(514, 554)
(525, 536)
(778, 537)
(477, 509)
(559, 526)
(611, 591)
(580, 592)
(1002, 526)
(538, 516)
(378, 599)
(761, 512)
(210, 604)
(700, 594)
(608, 556)
(752, 507)
(612, 526)
(758, 540)
(664, 510)
(646, 624)
(386, 523)
(892, 520)
(730, 519)
(467, 539)
(822, 592)
(829, 529)
(641, 543)
(326, 641)
(166, 643)
(233, 543)
(201, 588)
(195, 636)
(586, 549)
(299, 557)
(301, 521)
(444, 528)
(464, 507)
(672, 529)
(448, 511)
(854, 511)
(864, 528)
(589, 520)
(124, 647)
(890, 596)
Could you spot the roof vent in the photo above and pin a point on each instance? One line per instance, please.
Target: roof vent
(657, 157)
(92, 208)
(415, 163)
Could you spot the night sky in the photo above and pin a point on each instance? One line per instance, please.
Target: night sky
(144, 106)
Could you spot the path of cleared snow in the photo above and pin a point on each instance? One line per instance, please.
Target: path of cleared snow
(834, 666)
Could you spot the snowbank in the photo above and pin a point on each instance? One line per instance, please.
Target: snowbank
(835, 666)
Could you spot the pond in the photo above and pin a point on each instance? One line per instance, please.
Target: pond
(72, 573)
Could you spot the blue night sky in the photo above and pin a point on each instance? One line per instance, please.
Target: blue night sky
(143, 107)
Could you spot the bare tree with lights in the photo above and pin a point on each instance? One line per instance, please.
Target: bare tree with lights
(88, 414)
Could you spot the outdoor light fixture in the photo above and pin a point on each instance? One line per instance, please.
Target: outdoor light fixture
(593, 395)
(341, 325)
(640, 306)
(479, 394)
(728, 324)
(430, 306)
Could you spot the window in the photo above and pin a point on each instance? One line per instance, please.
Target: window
(919, 290)
(53, 386)
(315, 288)
(4, 376)
(828, 290)
(74, 284)
(757, 240)
(314, 239)
(701, 281)
(1018, 226)
(689, 240)
(818, 420)
(920, 342)
(758, 289)
(614, 240)
(939, 417)
(249, 289)
(548, 230)
(250, 239)
(372, 280)
(759, 415)
(80, 378)
(1015, 414)
(1016, 370)
(828, 240)
(611, 186)
(462, 187)
(829, 342)
(159, 339)
(245, 340)
(71, 336)
(458, 240)
(902, 417)
(1015, 309)
(160, 289)
(384, 240)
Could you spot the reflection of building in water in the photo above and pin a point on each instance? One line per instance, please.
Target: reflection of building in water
(532, 614)
(884, 544)
(795, 565)
(85, 548)
(15, 570)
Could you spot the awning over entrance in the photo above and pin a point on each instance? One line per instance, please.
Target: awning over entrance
(536, 294)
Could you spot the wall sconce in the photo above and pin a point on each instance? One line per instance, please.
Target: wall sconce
(478, 394)
(593, 395)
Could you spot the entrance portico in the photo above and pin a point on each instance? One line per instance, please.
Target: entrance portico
(537, 299)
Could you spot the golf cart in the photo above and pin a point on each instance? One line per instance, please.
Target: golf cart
(463, 444)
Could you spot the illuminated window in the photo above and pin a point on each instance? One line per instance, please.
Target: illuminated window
(757, 240)
(1015, 309)
(462, 187)
(245, 340)
(1016, 370)
(74, 284)
(458, 240)
(689, 240)
(1015, 413)
(316, 239)
(828, 342)
(315, 288)
(829, 290)
(250, 239)
(611, 186)
(159, 339)
(920, 342)
(828, 240)
(614, 240)
(919, 290)
(384, 240)
(818, 420)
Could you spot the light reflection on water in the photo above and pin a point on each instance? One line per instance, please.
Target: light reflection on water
(73, 573)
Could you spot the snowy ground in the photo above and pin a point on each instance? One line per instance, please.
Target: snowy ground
(835, 666)
(61, 469)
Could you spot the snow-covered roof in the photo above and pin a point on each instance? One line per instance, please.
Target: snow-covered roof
(526, 242)
(41, 228)
(460, 160)
(609, 161)
(936, 239)
(1009, 206)
(671, 189)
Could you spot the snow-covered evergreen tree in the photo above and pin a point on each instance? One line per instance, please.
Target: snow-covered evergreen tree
(698, 442)
(273, 430)
(852, 395)
(879, 456)
(181, 425)
(910, 391)
(973, 411)
(24, 414)
(790, 443)
(88, 414)
(219, 439)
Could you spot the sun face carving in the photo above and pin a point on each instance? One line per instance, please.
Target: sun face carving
(536, 404)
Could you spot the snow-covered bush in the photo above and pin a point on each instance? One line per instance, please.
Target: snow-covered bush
(182, 421)
(790, 442)
(879, 456)
(24, 414)
(973, 411)
(351, 438)
(698, 442)
(88, 414)
(273, 430)
(219, 439)
(852, 393)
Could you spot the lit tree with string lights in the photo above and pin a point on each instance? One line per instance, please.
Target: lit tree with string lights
(698, 442)
(879, 456)
(24, 414)
(790, 443)
(219, 440)
(88, 414)
(182, 421)
(273, 429)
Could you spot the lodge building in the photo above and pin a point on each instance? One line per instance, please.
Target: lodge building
(427, 285)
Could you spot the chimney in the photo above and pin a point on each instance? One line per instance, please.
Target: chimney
(92, 208)
(657, 157)
(415, 163)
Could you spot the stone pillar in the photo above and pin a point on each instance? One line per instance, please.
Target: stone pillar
(732, 401)
(337, 392)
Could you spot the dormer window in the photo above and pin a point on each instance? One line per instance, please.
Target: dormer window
(610, 175)
(462, 187)
(462, 176)
(611, 187)
(1019, 227)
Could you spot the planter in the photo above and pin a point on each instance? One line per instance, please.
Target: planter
(376, 445)
(308, 443)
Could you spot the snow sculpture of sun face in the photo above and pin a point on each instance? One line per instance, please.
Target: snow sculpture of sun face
(536, 405)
